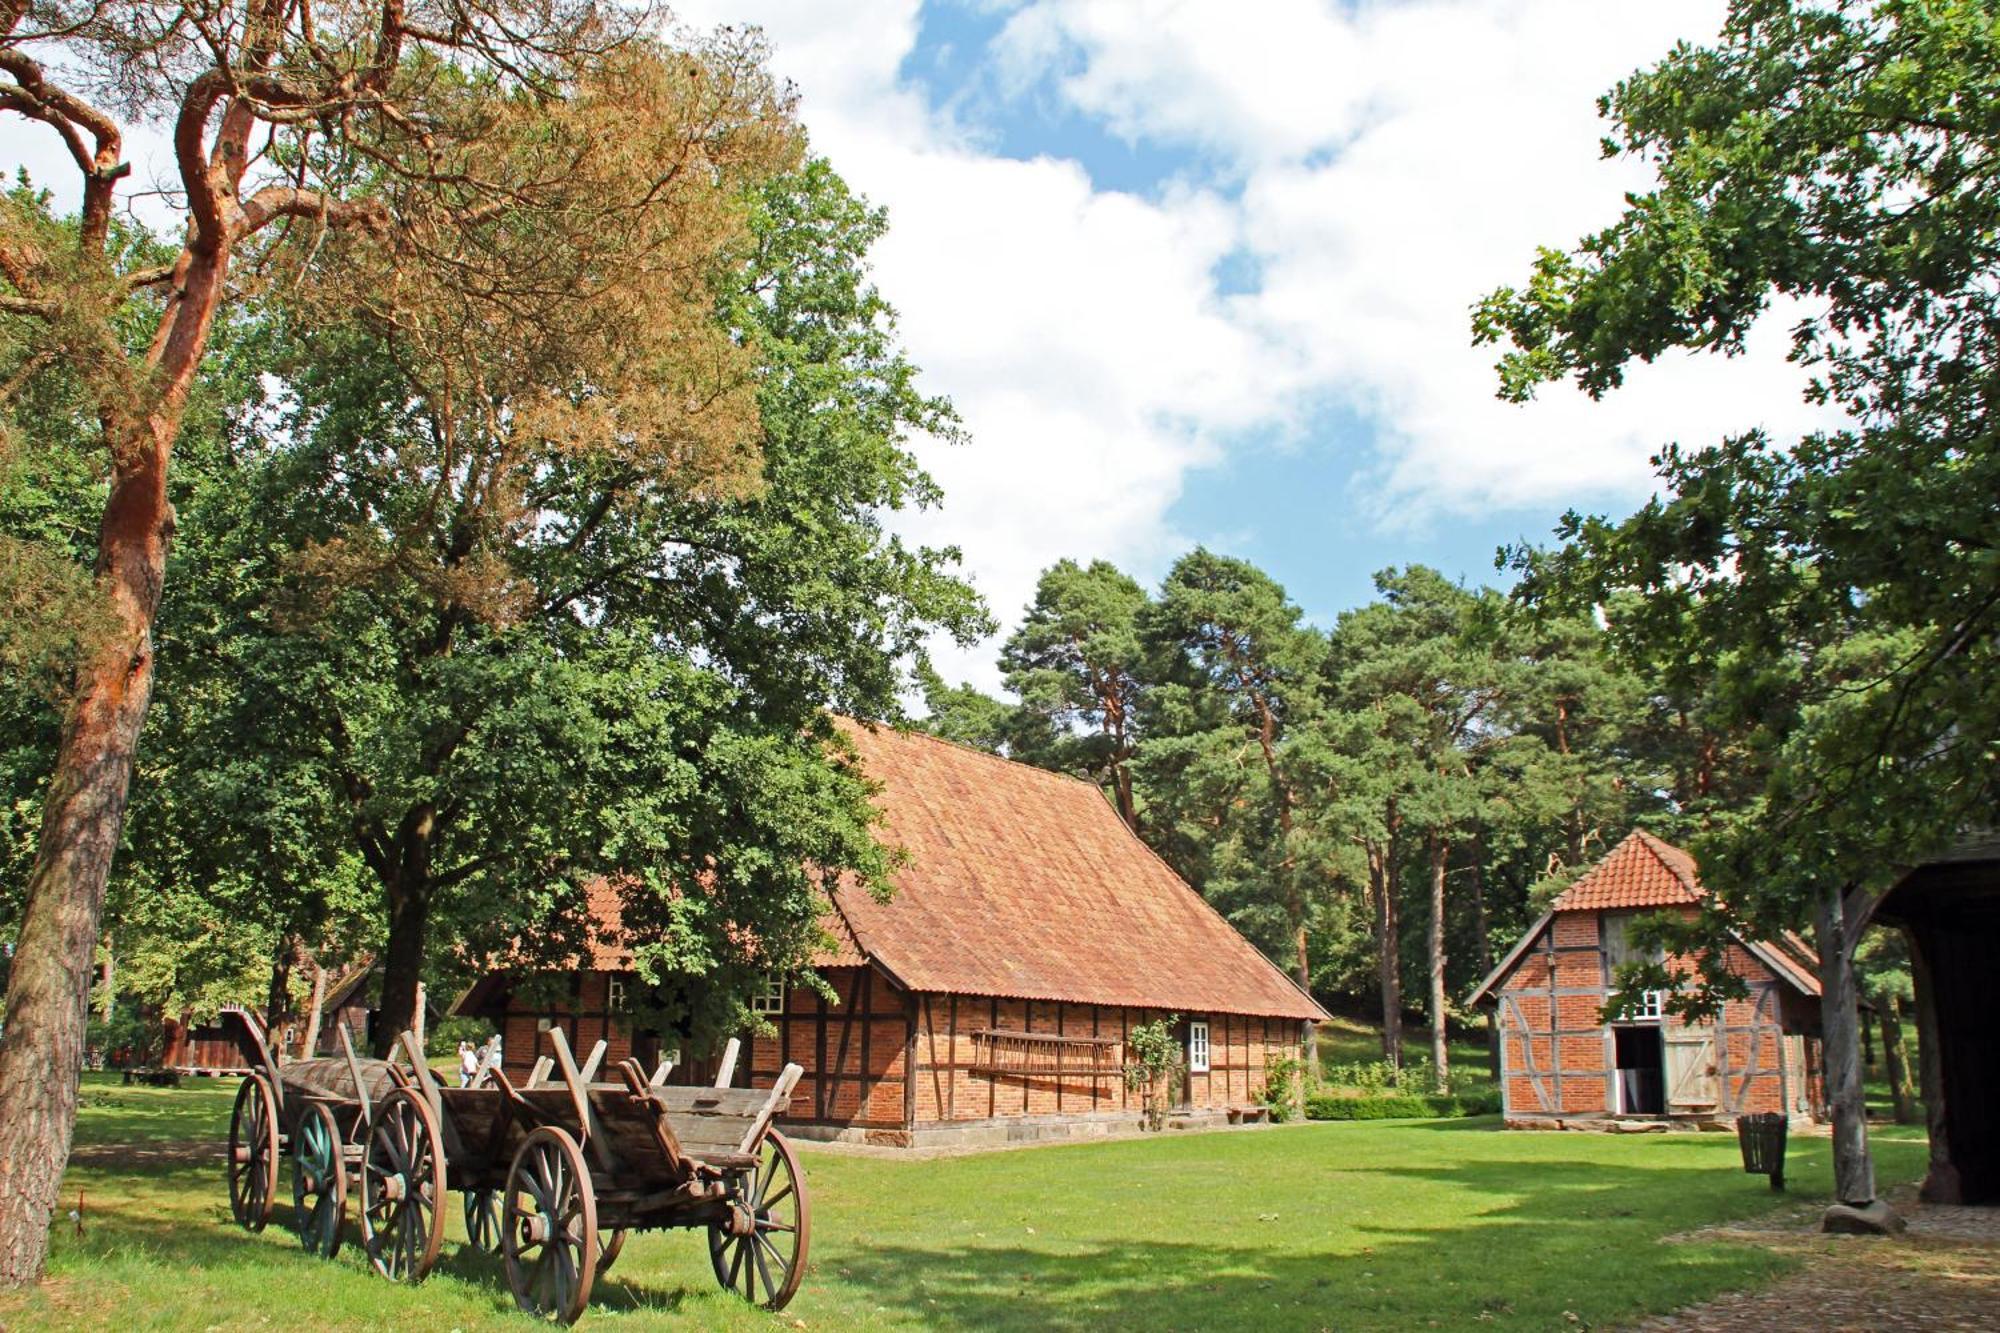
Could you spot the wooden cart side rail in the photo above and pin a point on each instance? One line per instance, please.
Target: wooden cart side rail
(354, 1068)
(781, 1097)
(663, 1132)
(256, 1052)
(725, 1068)
(595, 1141)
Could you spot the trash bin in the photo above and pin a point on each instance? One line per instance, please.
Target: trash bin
(1762, 1137)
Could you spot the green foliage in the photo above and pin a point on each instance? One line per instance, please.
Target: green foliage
(1827, 607)
(1399, 1106)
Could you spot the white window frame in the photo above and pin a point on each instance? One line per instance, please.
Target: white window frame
(1198, 1047)
(770, 999)
(614, 993)
(1650, 1008)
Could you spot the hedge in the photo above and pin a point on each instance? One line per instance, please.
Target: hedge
(1400, 1106)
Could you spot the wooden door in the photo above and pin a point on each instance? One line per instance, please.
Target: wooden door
(1691, 1082)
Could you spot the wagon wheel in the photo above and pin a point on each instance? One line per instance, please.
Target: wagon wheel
(482, 1220)
(609, 1244)
(402, 1184)
(548, 1231)
(760, 1253)
(319, 1182)
(253, 1153)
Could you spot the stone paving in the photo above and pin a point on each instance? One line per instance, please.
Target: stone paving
(1942, 1274)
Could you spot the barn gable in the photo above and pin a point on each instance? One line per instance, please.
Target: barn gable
(1561, 1060)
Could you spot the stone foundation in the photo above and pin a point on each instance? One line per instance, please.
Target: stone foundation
(1012, 1131)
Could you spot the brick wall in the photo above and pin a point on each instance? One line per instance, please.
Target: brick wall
(1558, 1058)
(854, 1049)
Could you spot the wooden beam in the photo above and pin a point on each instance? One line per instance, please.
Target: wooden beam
(781, 1095)
(543, 1068)
(595, 1142)
(659, 1078)
(589, 1070)
(725, 1069)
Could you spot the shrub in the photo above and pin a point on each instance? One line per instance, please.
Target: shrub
(1399, 1106)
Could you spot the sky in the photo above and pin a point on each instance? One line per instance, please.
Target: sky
(1200, 272)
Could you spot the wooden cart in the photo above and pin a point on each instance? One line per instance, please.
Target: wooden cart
(557, 1171)
(346, 1125)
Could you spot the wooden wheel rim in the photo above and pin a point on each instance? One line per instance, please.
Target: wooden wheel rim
(770, 1262)
(402, 1186)
(253, 1153)
(609, 1247)
(482, 1220)
(319, 1182)
(548, 1227)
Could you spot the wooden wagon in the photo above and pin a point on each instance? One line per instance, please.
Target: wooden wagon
(555, 1173)
(558, 1171)
(346, 1125)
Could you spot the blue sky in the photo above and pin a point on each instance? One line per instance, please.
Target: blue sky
(1199, 271)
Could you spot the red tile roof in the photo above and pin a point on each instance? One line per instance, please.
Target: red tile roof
(1025, 884)
(1641, 871)
(1020, 883)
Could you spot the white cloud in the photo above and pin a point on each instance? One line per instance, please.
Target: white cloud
(1385, 163)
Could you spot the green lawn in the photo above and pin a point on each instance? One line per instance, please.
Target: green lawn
(1386, 1225)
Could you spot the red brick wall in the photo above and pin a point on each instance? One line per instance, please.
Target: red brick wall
(1557, 1057)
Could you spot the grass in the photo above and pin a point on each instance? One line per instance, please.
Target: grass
(1390, 1225)
(1348, 1041)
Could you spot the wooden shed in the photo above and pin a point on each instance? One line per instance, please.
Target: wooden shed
(1560, 1061)
(991, 996)
(1950, 910)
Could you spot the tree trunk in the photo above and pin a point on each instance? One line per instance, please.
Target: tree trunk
(109, 1001)
(409, 900)
(83, 814)
(1388, 964)
(402, 965)
(318, 1002)
(1866, 1017)
(278, 1003)
(1853, 1168)
(1897, 1068)
(1121, 786)
(1440, 856)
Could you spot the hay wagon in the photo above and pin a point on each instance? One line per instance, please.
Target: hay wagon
(346, 1125)
(557, 1172)
(554, 1173)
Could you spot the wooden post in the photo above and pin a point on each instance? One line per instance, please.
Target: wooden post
(417, 1019)
(725, 1068)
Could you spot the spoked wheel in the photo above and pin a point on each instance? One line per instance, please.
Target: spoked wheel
(548, 1227)
(402, 1186)
(760, 1253)
(609, 1245)
(319, 1182)
(253, 1153)
(482, 1220)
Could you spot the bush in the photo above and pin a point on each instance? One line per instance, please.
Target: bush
(1399, 1106)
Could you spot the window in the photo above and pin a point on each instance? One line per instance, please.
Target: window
(614, 995)
(1197, 1048)
(770, 998)
(1648, 1007)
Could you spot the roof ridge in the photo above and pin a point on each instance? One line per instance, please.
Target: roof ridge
(914, 733)
(1657, 845)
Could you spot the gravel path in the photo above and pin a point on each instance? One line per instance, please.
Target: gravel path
(1943, 1274)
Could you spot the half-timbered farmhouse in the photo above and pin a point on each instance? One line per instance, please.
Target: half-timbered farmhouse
(991, 996)
(1560, 1061)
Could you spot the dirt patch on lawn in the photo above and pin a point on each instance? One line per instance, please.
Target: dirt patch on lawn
(1942, 1274)
(139, 1156)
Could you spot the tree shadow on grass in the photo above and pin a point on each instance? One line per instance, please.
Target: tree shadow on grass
(1537, 1244)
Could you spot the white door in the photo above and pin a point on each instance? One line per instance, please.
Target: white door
(1690, 1068)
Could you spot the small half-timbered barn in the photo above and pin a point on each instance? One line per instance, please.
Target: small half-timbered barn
(1560, 1061)
(990, 997)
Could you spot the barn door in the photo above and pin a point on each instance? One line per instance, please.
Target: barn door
(1691, 1083)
